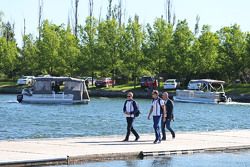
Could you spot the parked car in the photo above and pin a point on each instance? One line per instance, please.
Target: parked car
(89, 80)
(170, 84)
(194, 85)
(25, 80)
(148, 82)
(103, 82)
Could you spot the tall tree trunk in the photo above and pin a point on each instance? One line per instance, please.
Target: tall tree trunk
(40, 18)
(100, 15)
(76, 17)
(120, 13)
(168, 11)
(109, 10)
(196, 29)
(91, 6)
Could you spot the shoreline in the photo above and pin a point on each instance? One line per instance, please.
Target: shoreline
(243, 98)
(145, 95)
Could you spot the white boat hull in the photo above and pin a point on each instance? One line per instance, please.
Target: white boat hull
(195, 96)
(204, 101)
(52, 99)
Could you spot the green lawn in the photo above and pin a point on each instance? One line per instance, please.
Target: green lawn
(126, 87)
(232, 89)
(7, 84)
(123, 87)
(238, 89)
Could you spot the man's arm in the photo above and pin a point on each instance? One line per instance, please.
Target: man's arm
(164, 116)
(124, 106)
(164, 111)
(150, 112)
(135, 107)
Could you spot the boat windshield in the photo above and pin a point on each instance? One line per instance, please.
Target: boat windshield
(72, 86)
(42, 86)
(207, 85)
(46, 86)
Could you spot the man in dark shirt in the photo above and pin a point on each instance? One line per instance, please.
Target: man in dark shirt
(169, 117)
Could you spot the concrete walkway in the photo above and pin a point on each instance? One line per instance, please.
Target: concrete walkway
(71, 150)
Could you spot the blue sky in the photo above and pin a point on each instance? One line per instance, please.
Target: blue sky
(217, 13)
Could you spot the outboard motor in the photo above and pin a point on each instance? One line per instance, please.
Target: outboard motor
(19, 98)
(223, 97)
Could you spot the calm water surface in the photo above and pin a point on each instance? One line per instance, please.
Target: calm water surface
(103, 116)
(236, 159)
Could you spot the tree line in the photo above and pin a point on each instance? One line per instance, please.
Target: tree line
(126, 51)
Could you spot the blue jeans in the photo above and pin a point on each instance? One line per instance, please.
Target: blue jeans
(167, 125)
(156, 120)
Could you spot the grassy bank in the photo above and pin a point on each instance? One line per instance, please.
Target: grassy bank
(236, 89)
(7, 84)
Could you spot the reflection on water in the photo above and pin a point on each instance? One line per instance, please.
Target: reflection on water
(235, 159)
(101, 115)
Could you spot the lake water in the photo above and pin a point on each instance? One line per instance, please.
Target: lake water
(103, 116)
(234, 159)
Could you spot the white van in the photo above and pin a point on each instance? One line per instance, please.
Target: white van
(170, 84)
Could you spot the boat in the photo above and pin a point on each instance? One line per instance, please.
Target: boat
(55, 90)
(203, 91)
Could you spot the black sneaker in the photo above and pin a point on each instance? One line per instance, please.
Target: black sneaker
(163, 139)
(157, 141)
(137, 138)
(125, 140)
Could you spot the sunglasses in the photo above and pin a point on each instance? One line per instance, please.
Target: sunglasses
(128, 96)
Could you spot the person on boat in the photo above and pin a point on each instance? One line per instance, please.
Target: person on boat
(87, 83)
(53, 87)
(169, 117)
(158, 109)
(57, 88)
(129, 108)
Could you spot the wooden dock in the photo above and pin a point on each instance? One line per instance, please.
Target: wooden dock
(86, 149)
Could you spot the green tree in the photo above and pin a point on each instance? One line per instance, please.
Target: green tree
(231, 51)
(134, 56)
(88, 40)
(108, 42)
(181, 50)
(48, 46)
(28, 60)
(8, 57)
(246, 61)
(68, 53)
(205, 53)
(160, 39)
(1, 23)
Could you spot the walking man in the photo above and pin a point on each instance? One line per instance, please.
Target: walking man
(129, 108)
(158, 109)
(169, 117)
